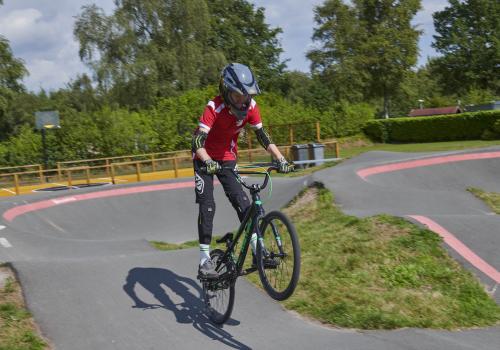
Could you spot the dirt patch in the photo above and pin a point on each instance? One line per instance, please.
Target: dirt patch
(307, 199)
(4, 275)
(18, 321)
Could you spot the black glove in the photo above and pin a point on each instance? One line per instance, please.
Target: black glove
(284, 167)
(212, 167)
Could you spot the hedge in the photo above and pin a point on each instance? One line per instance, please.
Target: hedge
(464, 126)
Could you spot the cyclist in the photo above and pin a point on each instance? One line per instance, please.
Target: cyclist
(214, 146)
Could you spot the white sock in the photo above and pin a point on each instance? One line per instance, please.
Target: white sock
(204, 253)
(253, 242)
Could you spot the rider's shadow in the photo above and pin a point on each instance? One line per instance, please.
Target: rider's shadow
(192, 307)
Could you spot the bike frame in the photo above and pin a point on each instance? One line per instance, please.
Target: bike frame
(248, 226)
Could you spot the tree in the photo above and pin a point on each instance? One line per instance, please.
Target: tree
(158, 48)
(12, 70)
(241, 34)
(468, 37)
(365, 48)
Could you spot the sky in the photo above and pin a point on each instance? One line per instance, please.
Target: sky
(40, 33)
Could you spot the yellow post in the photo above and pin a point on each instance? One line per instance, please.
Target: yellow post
(112, 172)
(290, 130)
(249, 147)
(318, 132)
(138, 171)
(16, 184)
(59, 174)
(68, 174)
(176, 170)
(153, 163)
(337, 150)
(40, 170)
(88, 175)
(287, 152)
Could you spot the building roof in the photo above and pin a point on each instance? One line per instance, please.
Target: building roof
(434, 111)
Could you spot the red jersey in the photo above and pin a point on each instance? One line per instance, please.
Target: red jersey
(224, 128)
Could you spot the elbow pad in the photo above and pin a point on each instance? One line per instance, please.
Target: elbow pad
(263, 137)
(198, 140)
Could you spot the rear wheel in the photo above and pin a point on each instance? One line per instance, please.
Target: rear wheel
(278, 256)
(219, 293)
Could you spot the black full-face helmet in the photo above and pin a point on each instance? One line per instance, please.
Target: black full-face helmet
(238, 78)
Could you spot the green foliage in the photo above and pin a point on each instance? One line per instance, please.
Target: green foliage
(12, 70)
(464, 126)
(25, 148)
(154, 48)
(467, 37)
(366, 48)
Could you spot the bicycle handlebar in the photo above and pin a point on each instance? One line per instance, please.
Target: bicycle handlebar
(269, 167)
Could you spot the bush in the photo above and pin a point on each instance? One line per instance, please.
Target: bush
(465, 126)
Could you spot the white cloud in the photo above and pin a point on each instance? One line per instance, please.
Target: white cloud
(41, 34)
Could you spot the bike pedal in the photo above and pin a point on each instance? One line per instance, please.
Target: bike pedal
(203, 279)
(248, 271)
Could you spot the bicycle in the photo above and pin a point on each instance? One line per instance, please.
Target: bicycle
(277, 247)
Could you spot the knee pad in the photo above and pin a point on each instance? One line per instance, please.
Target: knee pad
(240, 202)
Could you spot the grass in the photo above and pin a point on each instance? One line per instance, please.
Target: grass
(353, 146)
(490, 198)
(175, 246)
(380, 272)
(17, 329)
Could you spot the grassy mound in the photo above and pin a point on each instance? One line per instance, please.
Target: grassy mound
(380, 272)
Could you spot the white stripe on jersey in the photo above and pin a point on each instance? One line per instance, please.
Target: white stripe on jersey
(211, 104)
(201, 125)
(253, 103)
(256, 126)
(220, 108)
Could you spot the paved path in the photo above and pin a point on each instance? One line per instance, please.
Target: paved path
(93, 282)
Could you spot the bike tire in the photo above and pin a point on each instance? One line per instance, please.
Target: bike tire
(219, 295)
(280, 281)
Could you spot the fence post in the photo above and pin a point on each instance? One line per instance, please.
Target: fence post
(176, 170)
(153, 163)
(249, 146)
(107, 167)
(318, 132)
(138, 171)
(337, 150)
(88, 175)
(59, 174)
(112, 166)
(68, 175)
(16, 184)
(40, 170)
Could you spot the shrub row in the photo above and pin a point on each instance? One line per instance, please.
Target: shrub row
(464, 126)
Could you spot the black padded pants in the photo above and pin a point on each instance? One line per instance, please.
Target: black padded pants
(204, 189)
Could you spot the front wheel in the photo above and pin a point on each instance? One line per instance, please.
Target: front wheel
(278, 255)
(219, 294)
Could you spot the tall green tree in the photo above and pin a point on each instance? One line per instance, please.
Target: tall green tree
(365, 48)
(157, 48)
(468, 37)
(12, 70)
